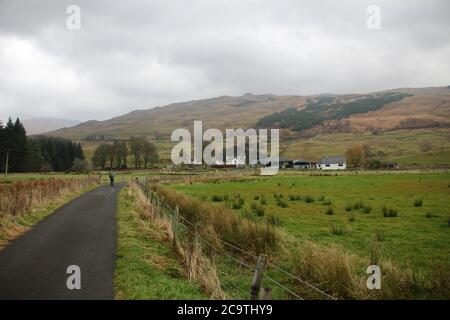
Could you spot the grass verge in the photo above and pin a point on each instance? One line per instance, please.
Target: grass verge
(13, 226)
(146, 266)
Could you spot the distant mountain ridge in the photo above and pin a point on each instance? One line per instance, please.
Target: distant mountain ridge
(431, 105)
(35, 126)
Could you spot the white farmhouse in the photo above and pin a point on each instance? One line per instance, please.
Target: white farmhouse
(332, 163)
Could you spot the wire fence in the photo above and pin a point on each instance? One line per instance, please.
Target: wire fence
(238, 276)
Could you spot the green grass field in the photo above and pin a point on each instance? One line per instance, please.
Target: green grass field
(419, 236)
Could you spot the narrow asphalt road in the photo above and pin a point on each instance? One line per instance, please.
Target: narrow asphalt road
(81, 233)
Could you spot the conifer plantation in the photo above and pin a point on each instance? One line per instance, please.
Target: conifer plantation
(19, 153)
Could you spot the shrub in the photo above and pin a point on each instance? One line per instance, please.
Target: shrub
(226, 197)
(274, 220)
(389, 212)
(374, 164)
(358, 205)
(282, 203)
(263, 200)
(329, 211)
(256, 197)
(379, 235)
(327, 202)
(367, 209)
(448, 221)
(80, 166)
(260, 211)
(238, 204)
(348, 207)
(216, 198)
(392, 213)
(337, 229)
(309, 199)
(321, 198)
(351, 218)
(253, 206)
(429, 215)
(292, 197)
(418, 203)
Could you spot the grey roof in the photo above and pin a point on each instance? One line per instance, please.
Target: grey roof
(301, 160)
(332, 160)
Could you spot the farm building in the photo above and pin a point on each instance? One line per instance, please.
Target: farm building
(332, 163)
(282, 163)
(303, 164)
(388, 165)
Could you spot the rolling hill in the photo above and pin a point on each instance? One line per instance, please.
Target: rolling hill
(418, 116)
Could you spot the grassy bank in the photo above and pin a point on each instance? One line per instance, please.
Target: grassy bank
(26, 204)
(146, 266)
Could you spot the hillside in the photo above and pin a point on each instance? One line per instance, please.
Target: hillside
(425, 111)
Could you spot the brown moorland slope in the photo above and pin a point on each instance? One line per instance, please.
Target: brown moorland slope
(426, 112)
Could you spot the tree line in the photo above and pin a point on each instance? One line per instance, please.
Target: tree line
(115, 155)
(19, 153)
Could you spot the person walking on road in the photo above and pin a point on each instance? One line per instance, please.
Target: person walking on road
(112, 176)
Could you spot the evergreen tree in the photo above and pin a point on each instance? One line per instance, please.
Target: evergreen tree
(26, 154)
(16, 144)
(35, 160)
(2, 147)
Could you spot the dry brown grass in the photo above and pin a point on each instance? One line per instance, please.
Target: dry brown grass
(23, 198)
(218, 222)
(342, 275)
(198, 267)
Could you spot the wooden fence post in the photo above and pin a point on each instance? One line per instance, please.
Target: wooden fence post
(259, 271)
(175, 225)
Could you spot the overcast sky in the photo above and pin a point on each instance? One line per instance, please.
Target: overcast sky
(139, 54)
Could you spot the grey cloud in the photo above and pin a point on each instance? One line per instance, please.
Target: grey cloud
(139, 54)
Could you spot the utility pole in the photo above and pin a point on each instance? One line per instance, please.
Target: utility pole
(6, 164)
